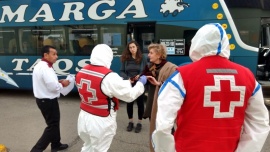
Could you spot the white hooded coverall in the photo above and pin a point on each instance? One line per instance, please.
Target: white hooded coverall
(98, 132)
(210, 41)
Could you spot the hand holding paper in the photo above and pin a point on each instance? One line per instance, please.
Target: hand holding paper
(68, 88)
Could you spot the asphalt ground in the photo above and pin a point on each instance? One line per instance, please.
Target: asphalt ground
(21, 124)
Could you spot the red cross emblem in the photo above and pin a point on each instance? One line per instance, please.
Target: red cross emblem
(86, 85)
(224, 96)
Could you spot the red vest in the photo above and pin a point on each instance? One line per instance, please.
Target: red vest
(93, 100)
(210, 119)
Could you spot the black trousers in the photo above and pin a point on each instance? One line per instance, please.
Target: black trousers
(140, 104)
(51, 113)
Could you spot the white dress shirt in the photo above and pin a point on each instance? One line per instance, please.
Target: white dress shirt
(45, 82)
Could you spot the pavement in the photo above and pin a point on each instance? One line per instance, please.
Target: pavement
(22, 124)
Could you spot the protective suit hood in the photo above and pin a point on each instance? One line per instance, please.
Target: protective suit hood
(102, 55)
(210, 40)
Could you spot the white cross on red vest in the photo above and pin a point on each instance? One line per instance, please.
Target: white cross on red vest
(224, 96)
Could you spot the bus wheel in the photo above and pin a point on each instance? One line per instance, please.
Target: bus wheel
(166, 13)
(175, 12)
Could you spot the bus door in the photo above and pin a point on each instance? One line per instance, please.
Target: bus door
(263, 69)
(143, 33)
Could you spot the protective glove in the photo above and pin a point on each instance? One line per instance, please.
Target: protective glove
(143, 79)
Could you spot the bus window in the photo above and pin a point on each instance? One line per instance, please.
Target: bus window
(2, 51)
(34, 38)
(176, 32)
(26, 41)
(114, 36)
(8, 44)
(86, 45)
(82, 39)
(57, 39)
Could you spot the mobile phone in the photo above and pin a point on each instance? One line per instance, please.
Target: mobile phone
(132, 78)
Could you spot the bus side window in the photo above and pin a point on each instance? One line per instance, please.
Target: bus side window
(86, 45)
(48, 41)
(27, 44)
(12, 46)
(2, 50)
(60, 47)
(76, 46)
(26, 47)
(1, 46)
(8, 42)
(82, 39)
(57, 42)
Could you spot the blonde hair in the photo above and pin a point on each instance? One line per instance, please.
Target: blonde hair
(159, 49)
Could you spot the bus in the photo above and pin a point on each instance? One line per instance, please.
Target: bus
(75, 27)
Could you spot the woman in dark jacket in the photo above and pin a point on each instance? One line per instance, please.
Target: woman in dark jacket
(133, 63)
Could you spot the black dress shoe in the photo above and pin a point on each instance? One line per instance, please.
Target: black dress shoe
(61, 147)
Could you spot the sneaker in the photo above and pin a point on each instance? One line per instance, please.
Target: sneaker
(138, 128)
(130, 126)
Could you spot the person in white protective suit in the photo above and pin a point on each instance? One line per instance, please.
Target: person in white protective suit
(99, 89)
(215, 104)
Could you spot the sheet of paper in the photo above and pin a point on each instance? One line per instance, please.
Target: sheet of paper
(67, 89)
